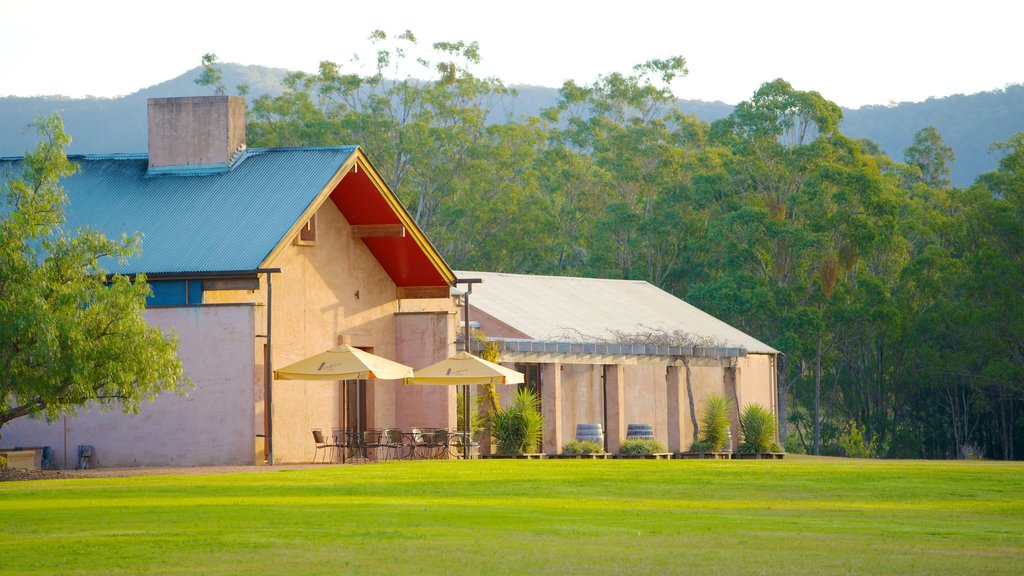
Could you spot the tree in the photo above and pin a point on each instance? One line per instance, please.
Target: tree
(931, 156)
(71, 334)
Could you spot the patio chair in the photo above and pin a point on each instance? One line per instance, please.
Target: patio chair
(437, 443)
(372, 442)
(342, 441)
(393, 444)
(421, 441)
(321, 444)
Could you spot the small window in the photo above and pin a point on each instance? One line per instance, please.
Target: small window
(307, 234)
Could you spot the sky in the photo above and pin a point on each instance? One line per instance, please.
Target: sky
(855, 53)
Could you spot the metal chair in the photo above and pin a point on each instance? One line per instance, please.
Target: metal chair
(421, 440)
(393, 444)
(372, 442)
(437, 443)
(321, 444)
(341, 443)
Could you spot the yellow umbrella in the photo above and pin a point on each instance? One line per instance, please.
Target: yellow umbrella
(344, 363)
(465, 369)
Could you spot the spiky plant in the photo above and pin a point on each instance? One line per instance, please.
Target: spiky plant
(517, 428)
(758, 426)
(714, 422)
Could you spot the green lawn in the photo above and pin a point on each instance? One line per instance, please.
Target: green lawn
(795, 516)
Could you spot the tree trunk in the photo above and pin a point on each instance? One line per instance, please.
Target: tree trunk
(689, 397)
(817, 399)
(781, 390)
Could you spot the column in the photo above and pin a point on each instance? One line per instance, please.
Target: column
(678, 409)
(551, 406)
(615, 403)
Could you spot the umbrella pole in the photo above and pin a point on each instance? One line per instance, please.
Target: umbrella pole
(465, 420)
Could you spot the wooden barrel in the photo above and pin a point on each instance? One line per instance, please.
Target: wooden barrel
(590, 433)
(639, 431)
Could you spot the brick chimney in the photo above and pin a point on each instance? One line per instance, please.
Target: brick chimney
(195, 134)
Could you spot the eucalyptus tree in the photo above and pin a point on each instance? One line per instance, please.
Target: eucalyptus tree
(71, 335)
(426, 127)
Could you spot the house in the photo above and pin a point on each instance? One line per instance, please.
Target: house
(618, 352)
(257, 258)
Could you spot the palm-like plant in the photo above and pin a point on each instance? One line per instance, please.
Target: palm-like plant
(758, 426)
(714, 422)
(517, 428)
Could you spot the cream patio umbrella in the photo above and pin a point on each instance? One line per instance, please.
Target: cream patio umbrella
(344, 363)
(465, 369)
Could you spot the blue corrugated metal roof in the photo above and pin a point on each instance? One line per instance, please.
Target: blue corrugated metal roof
(213, 223)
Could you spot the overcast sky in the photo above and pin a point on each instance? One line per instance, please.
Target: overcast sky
(854, 53)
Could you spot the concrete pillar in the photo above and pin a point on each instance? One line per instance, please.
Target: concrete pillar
(551, 407)
(615, 405)
(678, 409)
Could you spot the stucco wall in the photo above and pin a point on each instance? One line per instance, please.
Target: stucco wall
(332, 291)
(646, 394)
(211, 426)
(425, 338)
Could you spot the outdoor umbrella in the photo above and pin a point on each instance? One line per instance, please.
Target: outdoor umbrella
(344, 363)
(464, 369)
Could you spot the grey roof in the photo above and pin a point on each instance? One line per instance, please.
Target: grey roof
(213, 222)
(557, 308)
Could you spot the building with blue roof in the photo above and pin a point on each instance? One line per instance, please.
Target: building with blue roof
(257, 258)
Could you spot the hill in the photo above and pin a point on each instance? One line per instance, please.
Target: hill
(970, 124)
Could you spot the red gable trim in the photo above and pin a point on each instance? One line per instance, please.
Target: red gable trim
(364, 198)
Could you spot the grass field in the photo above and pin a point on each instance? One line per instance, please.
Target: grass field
(795, 516)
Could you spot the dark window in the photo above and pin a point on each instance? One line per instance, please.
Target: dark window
(175, 293)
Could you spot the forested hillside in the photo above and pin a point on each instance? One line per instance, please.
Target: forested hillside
(897, 298)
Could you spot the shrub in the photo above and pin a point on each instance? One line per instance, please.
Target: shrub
(641, 446)
(794, 445)
(971, 452)
(757, 424)
(582, 447)
(855, 445)
(3, 461)
(700, 446)
(714, 422)
(518, 427)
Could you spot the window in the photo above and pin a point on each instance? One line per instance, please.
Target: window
(307, 234)
(175, 293)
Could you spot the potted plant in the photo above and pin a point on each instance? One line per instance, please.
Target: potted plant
(758, 424)
(714, 429)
